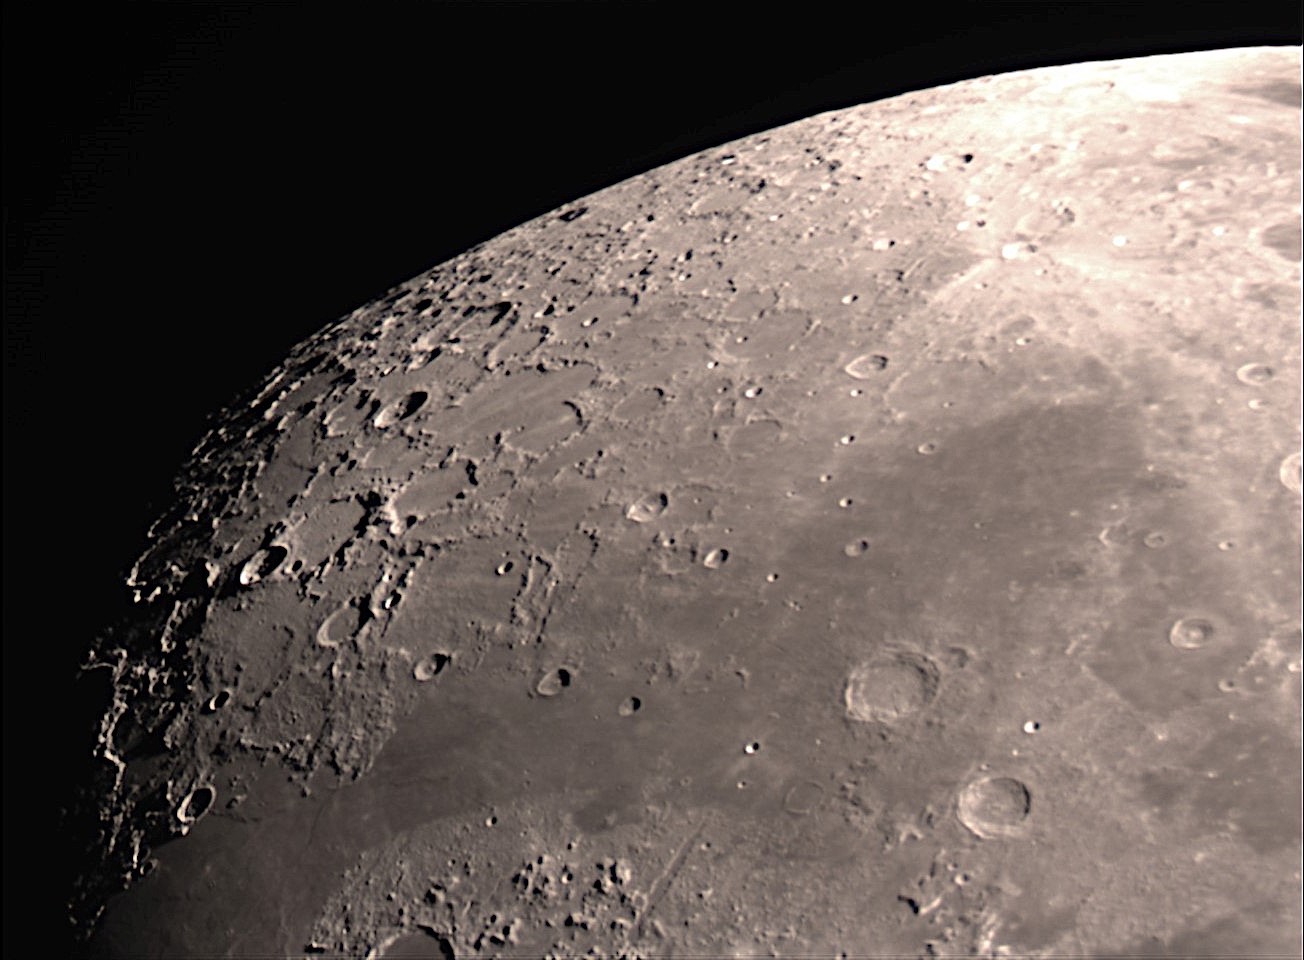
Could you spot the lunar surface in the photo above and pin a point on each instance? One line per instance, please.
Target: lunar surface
(874, 537)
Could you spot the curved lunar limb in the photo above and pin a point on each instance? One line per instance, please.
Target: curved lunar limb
(876, 536)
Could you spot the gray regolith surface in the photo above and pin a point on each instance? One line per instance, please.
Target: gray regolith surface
(874, 537)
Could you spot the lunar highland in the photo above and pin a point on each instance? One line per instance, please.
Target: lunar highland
(874, 537)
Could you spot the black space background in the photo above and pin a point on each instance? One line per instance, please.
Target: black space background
(191, 188)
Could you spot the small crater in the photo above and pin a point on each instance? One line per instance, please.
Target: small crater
(1285, 238)
(753, 747)
(1155, 540)
(424, 944)
(503, 568)
(414, 402)
(197, 803)
(553, 682)
(1190, 633)
(1290, 473)
(927, 449)
(715, 559)
(647, 508)
(802, 798)
(341, 626)
(856, 548)
(217, 701)
(1115, 535)
(891, 687)
(401, 409)
(262, 564)
(629, 706)
(1255, 374)
(995, 807)
(427, 668)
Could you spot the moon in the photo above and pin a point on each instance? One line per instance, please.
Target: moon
(876, 536)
